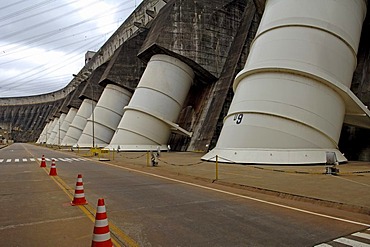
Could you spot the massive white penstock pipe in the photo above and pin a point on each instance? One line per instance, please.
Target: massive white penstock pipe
(78, 124)
(50, 130)
(155, 105)
(67, 121)
(107, 115)
(56, 133)
(42, 138)
(293, 93)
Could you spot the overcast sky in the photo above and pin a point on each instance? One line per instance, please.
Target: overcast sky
(43, 42)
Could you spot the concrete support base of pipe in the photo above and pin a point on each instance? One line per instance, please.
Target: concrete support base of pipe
(121, 148)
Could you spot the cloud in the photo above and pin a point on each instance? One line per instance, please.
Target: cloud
(43, 42)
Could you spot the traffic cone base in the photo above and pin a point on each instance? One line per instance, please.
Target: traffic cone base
(79, 197)
(101, 237)
(53, 169)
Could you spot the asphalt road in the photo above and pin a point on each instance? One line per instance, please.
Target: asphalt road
(143, 209)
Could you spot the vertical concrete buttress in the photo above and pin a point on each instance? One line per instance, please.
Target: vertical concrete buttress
(293, 94)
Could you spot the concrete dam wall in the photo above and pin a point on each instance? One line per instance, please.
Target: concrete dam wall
(132, 93)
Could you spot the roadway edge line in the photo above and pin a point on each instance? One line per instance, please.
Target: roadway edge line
(87, 209)
(238, 195)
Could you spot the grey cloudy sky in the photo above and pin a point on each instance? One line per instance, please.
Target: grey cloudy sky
(43, 42)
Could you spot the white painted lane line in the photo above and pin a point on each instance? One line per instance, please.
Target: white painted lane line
(61, 159)
(361, 235)
(75, 159)
(16, 160)
(40, 222)
(323, 245)
(39, 159)
(351, 242)
(68, 159)
(47, 159)
(8, 160)
(82, 159)
(24, 160)
(1, 160)
(243, 196)
(32, 159)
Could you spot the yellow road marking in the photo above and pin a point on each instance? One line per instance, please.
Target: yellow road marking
(88, 210)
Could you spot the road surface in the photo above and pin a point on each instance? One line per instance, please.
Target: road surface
(145, 209)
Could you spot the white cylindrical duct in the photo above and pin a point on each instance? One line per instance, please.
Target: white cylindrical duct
(42, 137)
(154, 106)
(107, 114)
(286, 108)
(78, 124)
(50, 130)
(54, 131)
(67, 121)
(56, 140)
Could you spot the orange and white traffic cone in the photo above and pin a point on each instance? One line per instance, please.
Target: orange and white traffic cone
(43, 162)
(101, 237)
(53, 169)
(79, 198)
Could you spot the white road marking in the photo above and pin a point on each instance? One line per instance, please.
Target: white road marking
(361, 235)
(367, 185)
(351, 242)
(40, 222)
(243, 196)
(323, 245)
(40, 159)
